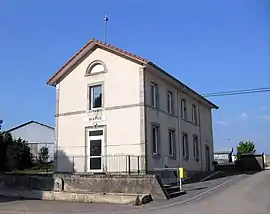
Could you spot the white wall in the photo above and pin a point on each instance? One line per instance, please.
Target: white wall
(121, 113)
(203, 129)
(165, 121)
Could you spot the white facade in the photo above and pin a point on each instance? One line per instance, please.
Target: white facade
(127, 119)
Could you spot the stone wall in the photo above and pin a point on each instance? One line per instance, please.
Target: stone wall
(131, 184)
(250, 162)
(19, 181)
(85, 183)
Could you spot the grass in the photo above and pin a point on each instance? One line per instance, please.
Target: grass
(46, 169)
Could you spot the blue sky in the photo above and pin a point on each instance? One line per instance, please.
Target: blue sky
(209, 45)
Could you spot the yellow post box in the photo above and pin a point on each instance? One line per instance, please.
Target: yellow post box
(182, 173)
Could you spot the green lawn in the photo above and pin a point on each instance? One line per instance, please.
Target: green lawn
(35, 170)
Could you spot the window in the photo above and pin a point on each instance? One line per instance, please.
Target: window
(185, 146)
(183, 109)
(170, 102)
(194, 114)
(195, 148)
(155, 139)
(154, 95)
(171, 136)
(95, 99)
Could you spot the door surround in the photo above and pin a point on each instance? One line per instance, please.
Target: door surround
(87, 146)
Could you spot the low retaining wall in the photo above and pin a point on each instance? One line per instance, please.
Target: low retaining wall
(112, 198)
(251, 162)
(132, 184)
(87, 184)
(17, 181)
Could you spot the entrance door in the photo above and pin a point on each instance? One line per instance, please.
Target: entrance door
(207, 157)
(95, 150)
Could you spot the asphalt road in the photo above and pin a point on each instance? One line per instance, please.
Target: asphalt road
(247, 194)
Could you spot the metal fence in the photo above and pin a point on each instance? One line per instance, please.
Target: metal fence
(109, 164)
(35, 149)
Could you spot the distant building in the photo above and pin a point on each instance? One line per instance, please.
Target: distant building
(225, 156)
(37, 135)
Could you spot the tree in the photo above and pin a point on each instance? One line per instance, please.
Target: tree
(14, 154)
(245, 147)
(18, 155)
(5, 140)
(43, 155)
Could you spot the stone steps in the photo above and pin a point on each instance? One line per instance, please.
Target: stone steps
(173, 190)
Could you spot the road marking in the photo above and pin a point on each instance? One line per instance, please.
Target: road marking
(209, 176)
(193, 198)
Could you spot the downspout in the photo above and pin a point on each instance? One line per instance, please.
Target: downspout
(179, 123)
(56, 127)
(179, 131)
(212, 140)
(200, 136)
(145, 118)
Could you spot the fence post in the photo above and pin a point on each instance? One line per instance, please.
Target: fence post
(138, 164)
(129, 171)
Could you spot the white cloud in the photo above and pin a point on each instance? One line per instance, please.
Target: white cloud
(222, 123)
(244, 116)
(263, 108)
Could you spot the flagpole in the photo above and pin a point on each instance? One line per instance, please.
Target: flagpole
(105, 27)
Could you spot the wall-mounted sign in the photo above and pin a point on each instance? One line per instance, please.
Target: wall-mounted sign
(95, 118)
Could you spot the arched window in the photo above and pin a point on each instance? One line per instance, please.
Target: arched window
(96, 67)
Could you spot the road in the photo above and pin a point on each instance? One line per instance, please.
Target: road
(246, 194)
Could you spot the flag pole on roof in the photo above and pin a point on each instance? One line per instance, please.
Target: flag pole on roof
(105, 27)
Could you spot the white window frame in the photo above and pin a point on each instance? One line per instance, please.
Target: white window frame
(156, 140)
(196, 150)
(183, 109)
(154, 95)
(185, 148)
(170, 102)
(88, 156)
(171, 136)
(194, 113)
(90, 95)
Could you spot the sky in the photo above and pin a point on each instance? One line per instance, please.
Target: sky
(209, 45)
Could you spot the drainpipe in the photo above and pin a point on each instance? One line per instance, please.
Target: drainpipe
(145, 119)
(179, 122)
(201, 159)
(56, 128)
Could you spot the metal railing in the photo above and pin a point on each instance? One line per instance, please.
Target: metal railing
(109, 164)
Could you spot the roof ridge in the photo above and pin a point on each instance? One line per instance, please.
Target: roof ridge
(27, 123)
(105, 45)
